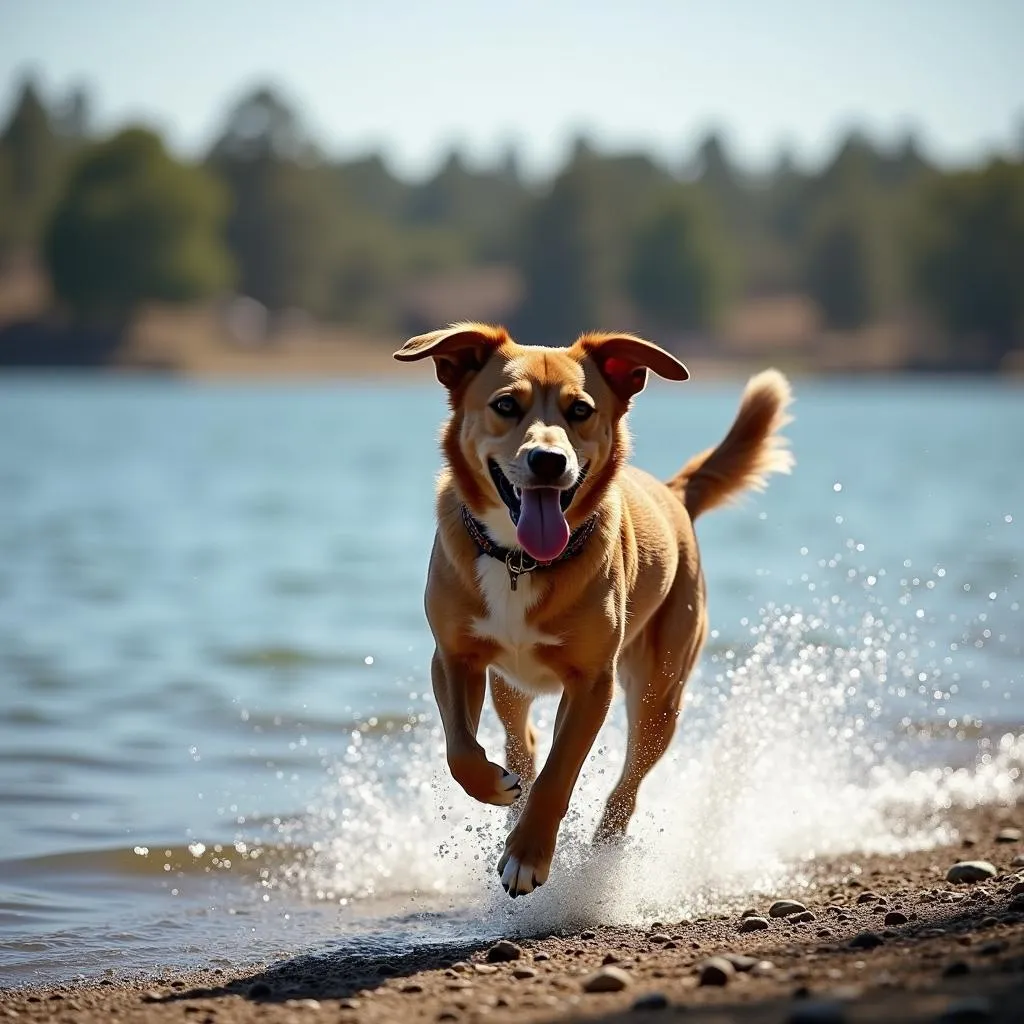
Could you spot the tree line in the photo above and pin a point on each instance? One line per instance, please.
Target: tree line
(876, 234)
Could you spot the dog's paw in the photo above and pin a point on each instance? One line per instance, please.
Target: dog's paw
(489, 783)
(521, 870)
(510, 789)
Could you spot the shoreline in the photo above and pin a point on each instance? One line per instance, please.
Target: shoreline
(888, 938)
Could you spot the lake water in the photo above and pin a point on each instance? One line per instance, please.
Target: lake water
(217, 739)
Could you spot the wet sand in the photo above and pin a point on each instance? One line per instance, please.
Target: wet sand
(882, 938)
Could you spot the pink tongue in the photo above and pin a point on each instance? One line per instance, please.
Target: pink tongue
(542, 531)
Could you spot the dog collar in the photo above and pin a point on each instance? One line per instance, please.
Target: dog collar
(518, 562)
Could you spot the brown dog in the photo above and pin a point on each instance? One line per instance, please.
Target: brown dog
(556, 567)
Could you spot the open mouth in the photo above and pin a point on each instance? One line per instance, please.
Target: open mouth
(538, 513)
(513, 496)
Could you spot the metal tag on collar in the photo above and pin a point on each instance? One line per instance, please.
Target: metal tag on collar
(518, 563)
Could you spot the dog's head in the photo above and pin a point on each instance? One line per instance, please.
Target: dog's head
(536, 434)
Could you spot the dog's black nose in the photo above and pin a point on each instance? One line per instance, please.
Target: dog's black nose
(547, 464)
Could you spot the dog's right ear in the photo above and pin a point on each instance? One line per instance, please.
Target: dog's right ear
(458, 351)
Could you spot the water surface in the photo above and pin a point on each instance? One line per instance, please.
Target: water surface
(216, 733)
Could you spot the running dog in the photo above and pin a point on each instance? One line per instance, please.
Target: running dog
(557, 568)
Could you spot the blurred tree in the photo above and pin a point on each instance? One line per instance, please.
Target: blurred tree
(679, 276)
(285, 222)
(844, 265)
(576, 243)
(135, 225)
(30, 155)
(968, 257)
(561, 260)
(371, 186)
(482, 206)
(73, 117)
(734, 202)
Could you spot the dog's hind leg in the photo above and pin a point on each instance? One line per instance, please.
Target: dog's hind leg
(653, 670)
(513, 707)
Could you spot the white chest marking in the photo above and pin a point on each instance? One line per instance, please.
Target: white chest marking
(506, 625)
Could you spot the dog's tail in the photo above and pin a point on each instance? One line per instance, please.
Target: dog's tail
(751, 450)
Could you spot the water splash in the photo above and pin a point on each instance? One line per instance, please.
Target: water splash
(790, 748)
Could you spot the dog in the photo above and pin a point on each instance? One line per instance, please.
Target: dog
(556, 568)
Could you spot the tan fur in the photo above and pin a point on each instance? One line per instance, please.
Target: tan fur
(751, 450)
(630, 606)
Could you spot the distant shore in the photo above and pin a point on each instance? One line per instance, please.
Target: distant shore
(878, 938)
(202, 343)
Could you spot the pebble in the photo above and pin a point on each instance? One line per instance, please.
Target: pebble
(1017, 861)
(803, 917)
(1017, 903)
(538, 957)
(967, 1011)
(868, 897)
(716, 971)
(607, 979)
(522, 973)
(447, 1015)
(651, 1001)
(588, 934)
(895, 917)
(659, 938)
(956, 969)
(967, 871)
(783, 908)
(1008, 835)
(503, 952)
(1018, 889)
(485, 968)
(753, 924)
(866, 940)
(749, 912)
(761, 968)
(741, 962)
(993, 948)
(609, 958)
(411, 987)
(152, 996)
(814, 1012)
(303, 1004)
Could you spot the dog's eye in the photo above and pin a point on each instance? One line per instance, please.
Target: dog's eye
(506, 406)
(579, 411)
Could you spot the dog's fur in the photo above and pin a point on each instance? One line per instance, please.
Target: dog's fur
(630, 605)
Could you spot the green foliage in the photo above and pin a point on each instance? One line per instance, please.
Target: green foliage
(284, 223)
(483, 207)
(843, 266)
(576, 244)
(30, 167)
(561, 259)
(679, 276)
(968, 255)
(135, 225)
(872, 235)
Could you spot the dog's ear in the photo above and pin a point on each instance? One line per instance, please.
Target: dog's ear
(624, 360)
(457, 351)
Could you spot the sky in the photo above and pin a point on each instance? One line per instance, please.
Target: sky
(413, 79)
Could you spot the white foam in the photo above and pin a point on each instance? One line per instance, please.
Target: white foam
(786, 752)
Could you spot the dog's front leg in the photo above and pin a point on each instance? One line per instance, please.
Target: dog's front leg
(531, 844)
(459, 686)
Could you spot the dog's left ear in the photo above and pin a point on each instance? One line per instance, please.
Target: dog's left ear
(624, 360)
(457, 351)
